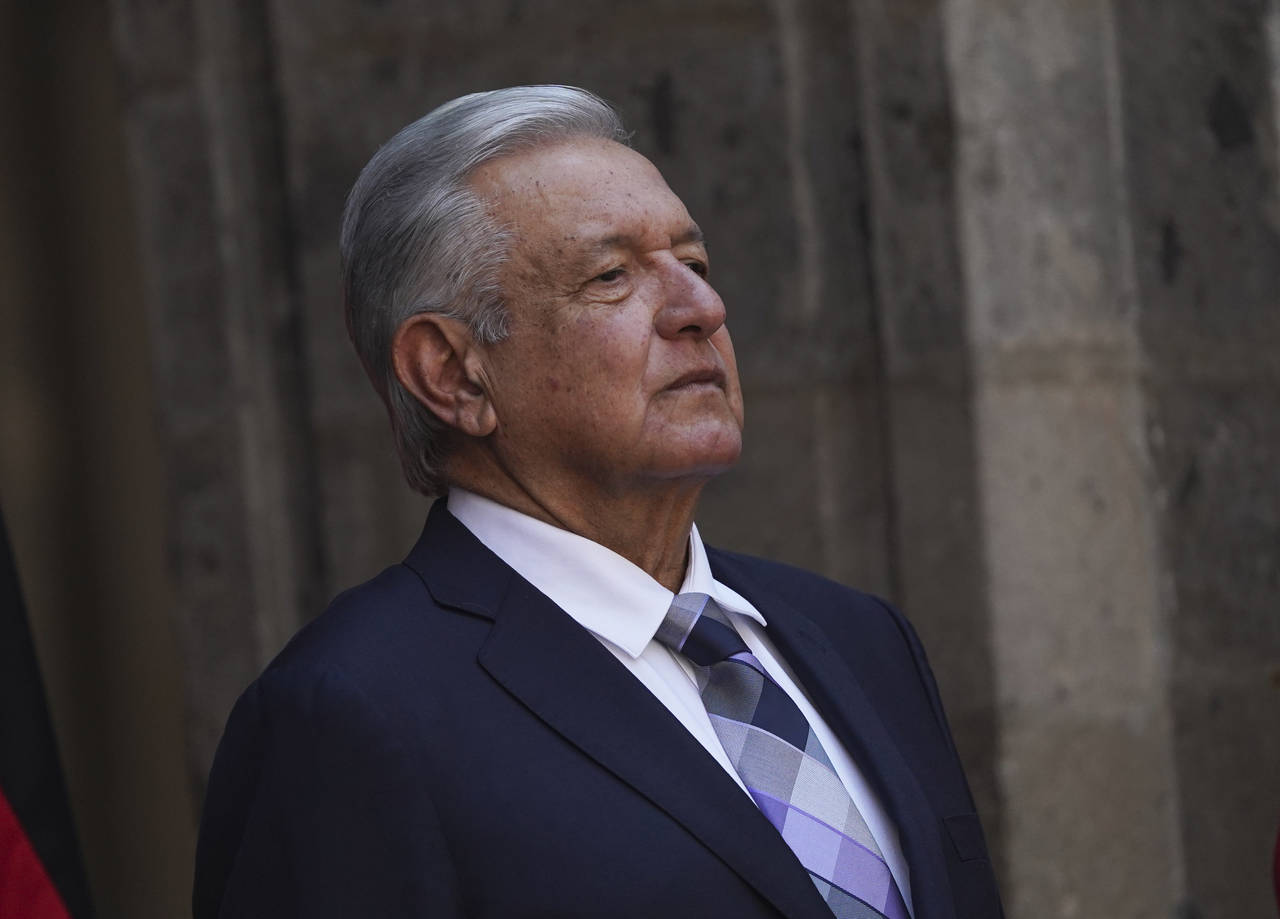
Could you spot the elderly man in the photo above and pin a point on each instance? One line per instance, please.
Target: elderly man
(562, 703)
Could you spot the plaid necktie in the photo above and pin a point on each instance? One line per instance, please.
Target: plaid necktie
(784, 767)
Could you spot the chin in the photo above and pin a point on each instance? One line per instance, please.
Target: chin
(709, 455)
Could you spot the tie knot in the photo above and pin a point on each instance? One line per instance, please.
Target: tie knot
(699, 629)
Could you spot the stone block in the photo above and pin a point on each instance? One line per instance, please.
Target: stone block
(1228, 756)
(1200, 104)
(1070, 546)
(910, 148)
(1077, 638)
(1199, 97)
(1038, 172)
(1088, 816)
(1215, 450)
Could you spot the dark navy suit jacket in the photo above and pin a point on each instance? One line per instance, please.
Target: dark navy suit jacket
(445, 741)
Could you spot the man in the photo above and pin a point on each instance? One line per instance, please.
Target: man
(562, 703)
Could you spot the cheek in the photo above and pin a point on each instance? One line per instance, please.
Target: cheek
(612, 353)
(560, 363)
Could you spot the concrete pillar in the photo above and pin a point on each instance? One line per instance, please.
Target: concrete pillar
(1078, 630)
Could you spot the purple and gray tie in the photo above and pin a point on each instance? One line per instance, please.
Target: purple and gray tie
(783, 765)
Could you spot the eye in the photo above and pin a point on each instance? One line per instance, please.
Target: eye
(697, 267)
(609, 276)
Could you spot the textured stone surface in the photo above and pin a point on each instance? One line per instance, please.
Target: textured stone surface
(1217, 465)
(1201, 135)
(935, 565)
(1044, 231)
(230, 394)
(1201, 103)
(1082, 794)
(1084, 734)
(1071, 550)
(1084, 730)
(1227, 751)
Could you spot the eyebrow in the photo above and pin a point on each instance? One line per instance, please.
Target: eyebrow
(691, 234)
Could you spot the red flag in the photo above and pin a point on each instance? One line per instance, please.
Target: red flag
(41, 876)
(25, 888)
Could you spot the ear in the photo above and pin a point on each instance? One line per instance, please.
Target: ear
(437, 360)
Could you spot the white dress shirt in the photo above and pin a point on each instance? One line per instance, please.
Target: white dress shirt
(622, 606)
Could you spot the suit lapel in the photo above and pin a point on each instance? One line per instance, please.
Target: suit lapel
(837, 693)
(569, 681)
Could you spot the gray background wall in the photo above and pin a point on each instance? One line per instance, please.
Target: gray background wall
(1004, 280)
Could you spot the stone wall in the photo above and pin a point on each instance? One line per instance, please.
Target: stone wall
(1200, 112)
(1004, 281)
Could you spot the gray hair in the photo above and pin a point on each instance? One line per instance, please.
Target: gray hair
(417, 239)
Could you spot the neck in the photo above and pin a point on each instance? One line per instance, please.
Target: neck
(649, 527)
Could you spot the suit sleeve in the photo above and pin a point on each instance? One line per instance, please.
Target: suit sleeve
(314, 810)
(973, 880)
(925, 674)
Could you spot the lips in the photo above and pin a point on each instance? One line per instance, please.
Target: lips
(713, 375)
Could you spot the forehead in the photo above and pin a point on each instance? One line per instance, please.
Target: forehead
(567, 197)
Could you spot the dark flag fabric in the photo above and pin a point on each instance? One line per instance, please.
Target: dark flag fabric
(41, 875)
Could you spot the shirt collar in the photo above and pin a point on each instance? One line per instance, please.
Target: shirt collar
(699, 579)
(602, 591)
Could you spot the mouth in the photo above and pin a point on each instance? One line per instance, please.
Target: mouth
(709, 376)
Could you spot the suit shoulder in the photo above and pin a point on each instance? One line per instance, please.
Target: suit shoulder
(797, 583)
(390, 621)
(870, 631)
(358, 615)
(848, 615)
(351, 652)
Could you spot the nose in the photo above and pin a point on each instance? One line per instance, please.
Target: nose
(690, 305)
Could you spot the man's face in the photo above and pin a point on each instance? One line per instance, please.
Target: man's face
(618, 373)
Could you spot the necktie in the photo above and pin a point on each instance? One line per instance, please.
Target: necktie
(784, 767)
